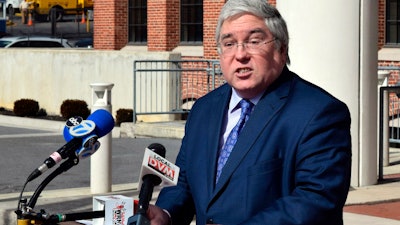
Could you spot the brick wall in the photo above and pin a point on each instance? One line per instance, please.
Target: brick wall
(210, 19)
(381, 23)
(110, 22)
(162, 25)
(197, 82)
(394, 77)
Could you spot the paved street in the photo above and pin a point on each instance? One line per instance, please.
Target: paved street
(23, 150)
(70, 28)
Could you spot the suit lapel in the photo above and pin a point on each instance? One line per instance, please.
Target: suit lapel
(272, 101)
(219, 107)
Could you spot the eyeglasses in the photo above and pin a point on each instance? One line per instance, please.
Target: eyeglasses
(252, 47)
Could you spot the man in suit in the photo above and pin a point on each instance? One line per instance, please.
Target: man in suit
(291, 161)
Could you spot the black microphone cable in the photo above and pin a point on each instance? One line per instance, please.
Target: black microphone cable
(66, 165)
(20, 198)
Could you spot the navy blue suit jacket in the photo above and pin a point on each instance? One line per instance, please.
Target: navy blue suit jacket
(290, 165)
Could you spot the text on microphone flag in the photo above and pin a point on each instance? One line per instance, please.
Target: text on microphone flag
(161, 167)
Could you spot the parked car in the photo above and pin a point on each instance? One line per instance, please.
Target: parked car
(33, 42)
(84, 43)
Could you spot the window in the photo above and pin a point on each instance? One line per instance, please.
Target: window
(393, 23)
(45, 44)
(192, 21)
(37, 44)
(20, 44)
(138, 21)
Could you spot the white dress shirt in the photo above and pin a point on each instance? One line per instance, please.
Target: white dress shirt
(233, 115)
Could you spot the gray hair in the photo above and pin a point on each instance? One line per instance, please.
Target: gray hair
(260, 8)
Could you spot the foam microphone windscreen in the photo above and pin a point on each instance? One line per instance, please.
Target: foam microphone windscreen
(103, 120)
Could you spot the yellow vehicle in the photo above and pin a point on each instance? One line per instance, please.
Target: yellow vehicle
(42, 9)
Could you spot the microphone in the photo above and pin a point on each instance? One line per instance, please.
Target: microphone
(81, 136)
(104, 123)
(156, 170)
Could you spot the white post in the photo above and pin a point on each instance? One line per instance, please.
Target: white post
(100, 162)
(382, 82)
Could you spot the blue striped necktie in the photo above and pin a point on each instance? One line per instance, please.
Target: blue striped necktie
(226, 150)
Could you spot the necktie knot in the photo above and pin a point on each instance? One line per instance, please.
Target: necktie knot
(246, 107)
(244, 103)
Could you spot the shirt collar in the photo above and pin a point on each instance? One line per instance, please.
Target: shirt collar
(235, 99)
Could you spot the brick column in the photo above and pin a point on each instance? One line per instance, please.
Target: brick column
(163, 24)
(110, 24)
(381, 23)
(211, 10)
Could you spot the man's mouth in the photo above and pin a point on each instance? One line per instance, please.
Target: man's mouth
(243, 70)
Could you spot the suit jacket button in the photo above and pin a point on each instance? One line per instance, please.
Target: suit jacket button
(210, 221)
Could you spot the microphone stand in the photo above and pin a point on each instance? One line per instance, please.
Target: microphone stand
(42, 218)
(27, 210)
(65, 166)
(74, 216)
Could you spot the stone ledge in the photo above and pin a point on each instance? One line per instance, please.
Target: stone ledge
(174, 129)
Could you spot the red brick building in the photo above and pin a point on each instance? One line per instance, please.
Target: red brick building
(188, 26)
(389, 37)
(165, 25)
(168, 24)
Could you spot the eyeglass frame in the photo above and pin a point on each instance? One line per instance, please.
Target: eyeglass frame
(245, 45)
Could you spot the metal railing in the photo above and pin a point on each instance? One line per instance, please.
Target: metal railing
(389, 120)
(172, 86)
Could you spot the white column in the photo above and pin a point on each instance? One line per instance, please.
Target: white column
(100, 162)
(334, 45)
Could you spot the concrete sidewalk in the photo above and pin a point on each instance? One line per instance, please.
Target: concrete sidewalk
(80, 199)
(128, 130)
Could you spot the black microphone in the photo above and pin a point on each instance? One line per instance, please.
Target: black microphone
(82, 140)
(149, 181)
(56, 157)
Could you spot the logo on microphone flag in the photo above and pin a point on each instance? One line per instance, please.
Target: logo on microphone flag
(155, 164)
(162, 167)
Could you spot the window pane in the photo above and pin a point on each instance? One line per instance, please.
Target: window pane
(392, 22)
(392, 10)
(192, 21)
(138, 21)
(20, 44)
(391, 33)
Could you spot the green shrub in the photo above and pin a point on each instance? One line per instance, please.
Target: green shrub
(74, 107)
(124, 115)
(42, 113)
(26, 107)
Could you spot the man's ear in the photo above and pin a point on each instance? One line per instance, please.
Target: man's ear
(284, 50)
